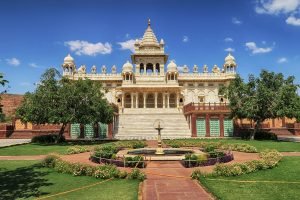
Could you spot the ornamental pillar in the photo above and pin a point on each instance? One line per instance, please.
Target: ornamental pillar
(164, 99)
(177, 100)
(144, 95)
(168, 100)
(193, 124)
(221, 125)
(136, 100)
(123, 97)
(131, 100)
(207, 118)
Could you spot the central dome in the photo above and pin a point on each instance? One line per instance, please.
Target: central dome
(69, 59)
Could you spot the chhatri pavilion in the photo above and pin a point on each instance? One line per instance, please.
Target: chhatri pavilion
(151, 87)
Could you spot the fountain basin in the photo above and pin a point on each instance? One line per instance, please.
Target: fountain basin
(149, 153)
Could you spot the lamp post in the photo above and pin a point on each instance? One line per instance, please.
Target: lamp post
(158, 125)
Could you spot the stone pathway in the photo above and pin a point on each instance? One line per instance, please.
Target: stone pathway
(10, 142)
(169, 180)
(37, 157)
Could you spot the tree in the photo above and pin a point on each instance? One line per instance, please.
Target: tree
(268, 96)
(58, 100)
(2, 83)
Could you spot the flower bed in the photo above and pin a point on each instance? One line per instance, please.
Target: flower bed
(241, 147)
(196, 161)
(269, 159)
(78, 169)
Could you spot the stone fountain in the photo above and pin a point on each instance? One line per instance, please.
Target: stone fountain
(158, 125)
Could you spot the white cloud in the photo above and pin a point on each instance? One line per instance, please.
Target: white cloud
(276, 6)
(229, 49)
(81, 47)
(185, 39)
(282, 60)
(129, 44)
(13, 61)
(236, 21)
(228, 39)
(33, 65)
(293, 21)
(257, 50)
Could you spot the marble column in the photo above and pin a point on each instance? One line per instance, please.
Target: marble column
(131, 100)
(177, 100)
(136, 100)
(164, 100)
(144, 95)
(155, 100)
(123, 97)
(168, 100)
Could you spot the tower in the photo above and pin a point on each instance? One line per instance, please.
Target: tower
(149, 56)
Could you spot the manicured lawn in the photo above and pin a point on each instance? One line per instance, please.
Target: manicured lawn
(288, 171)
(26, 180)
(260, 145)
(33, 149)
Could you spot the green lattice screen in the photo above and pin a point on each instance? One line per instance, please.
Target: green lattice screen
(88, 131)
(201, 128)
(228, 128)
(102, 130)
(214, 127)
(75, 131)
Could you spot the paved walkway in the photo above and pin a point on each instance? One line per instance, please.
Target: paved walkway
(169, 180)
(10, 142)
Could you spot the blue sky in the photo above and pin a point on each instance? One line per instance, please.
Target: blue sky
(262, 34)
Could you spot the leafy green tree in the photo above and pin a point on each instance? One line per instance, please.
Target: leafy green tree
(3, 82)
(58, 100)
(268, 96)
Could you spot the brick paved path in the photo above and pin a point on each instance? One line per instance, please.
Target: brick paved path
(170, 180)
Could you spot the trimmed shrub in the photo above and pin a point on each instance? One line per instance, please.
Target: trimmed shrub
(49, 161)
(77, 149)
(136, 161)
(78, 169)
(241, 147)
(136, 174)
(264, 135)
(48, 139)
(269, 159)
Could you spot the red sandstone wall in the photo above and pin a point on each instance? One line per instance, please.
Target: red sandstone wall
(10, 103)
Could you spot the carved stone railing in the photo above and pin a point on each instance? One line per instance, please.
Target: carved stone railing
(205, 107)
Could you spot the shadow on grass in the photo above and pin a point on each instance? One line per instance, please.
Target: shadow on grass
(23, 182)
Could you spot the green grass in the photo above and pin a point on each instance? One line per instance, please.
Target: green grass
(288, 170)
(260, 145)
(27, 180)
(33, 149)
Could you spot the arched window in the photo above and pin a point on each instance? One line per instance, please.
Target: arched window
(142, 69)
(157, 68)
(149, 68)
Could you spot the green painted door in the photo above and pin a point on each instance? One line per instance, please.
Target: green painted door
(102, 130)
(214, 127)
(228, 128)
(201, 127)
(75, 131)
(88, 131)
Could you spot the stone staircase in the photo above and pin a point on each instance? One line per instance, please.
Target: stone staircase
(138, 124)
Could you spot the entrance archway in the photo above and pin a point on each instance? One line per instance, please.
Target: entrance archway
(127, 101)
(159, 100)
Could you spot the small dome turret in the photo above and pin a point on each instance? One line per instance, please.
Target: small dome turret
(69, 59)
(127, 67)
(230, 64)
(172, 67)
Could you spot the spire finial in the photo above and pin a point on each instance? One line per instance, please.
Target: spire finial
(149, 22)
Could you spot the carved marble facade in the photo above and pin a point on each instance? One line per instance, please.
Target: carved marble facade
(145, 82)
